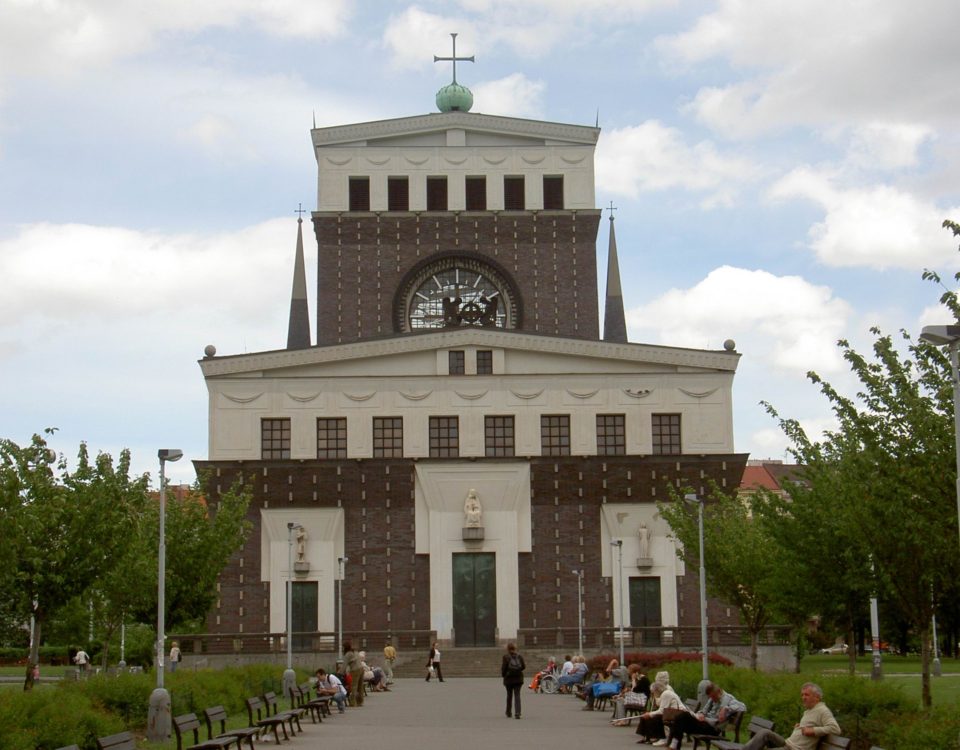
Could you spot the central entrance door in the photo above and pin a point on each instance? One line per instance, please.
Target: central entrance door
(645, 608)
(304, 600)
(474, 598)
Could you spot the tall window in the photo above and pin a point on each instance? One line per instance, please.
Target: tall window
(398, 193)
(555, 435)
(444, 437)
(498, 435)
(553, 192)
(388, 437)
(436, 194)
(666, 434)
(457, 360)
(611, 436)
(484, 362)
(476, 194)
(274, 438)
(359, 193)
(332, 437)
(513, 195)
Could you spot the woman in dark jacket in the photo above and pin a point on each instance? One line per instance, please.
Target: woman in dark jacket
(512, 672)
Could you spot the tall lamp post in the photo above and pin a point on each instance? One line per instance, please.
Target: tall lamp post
(158, 715)
(340, 562)
(703, 586)
(579, 575)
(289, 676)
(618, 543)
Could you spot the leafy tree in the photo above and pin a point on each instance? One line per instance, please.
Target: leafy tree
(739, 556)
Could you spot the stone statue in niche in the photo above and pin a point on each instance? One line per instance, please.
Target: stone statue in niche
(644, 535)
(301, 544)
(472, 510)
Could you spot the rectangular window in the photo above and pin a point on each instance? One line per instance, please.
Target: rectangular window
(274, 438)
(611, 436)
(359, 193)
(444, 437)
(513, 195)
(476, 194)
(553, 192)
(436, 194)
(388, 437)
(484, 362)
(457, 362)
(398, 194)
(555, 435)
(666, 434)
(498, 436)
(332, 437)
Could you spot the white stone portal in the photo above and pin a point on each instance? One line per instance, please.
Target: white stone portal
(322, 545)
(440, 492)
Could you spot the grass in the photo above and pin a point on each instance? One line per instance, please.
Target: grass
(901, 670)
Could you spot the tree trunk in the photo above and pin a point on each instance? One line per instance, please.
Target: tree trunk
(925, 647)
(754, 641)
(851, 652)
(798, 653)
(35, 650)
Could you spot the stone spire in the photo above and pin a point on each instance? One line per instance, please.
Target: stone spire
(298, 332)
(614, 321)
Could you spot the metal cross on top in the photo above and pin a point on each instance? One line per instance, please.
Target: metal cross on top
(611, 208)
(301, 211)
(454, 58)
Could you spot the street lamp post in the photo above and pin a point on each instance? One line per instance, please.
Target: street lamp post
(289, 676)
(703, 586)
(340, 562)
(158, 715)
(618, 543)
(579, 575)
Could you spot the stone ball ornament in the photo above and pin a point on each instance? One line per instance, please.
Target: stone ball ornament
(209, 351)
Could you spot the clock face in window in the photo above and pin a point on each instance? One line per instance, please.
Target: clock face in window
(454, 292)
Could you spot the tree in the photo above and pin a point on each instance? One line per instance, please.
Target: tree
(739, 557)
(64, 528)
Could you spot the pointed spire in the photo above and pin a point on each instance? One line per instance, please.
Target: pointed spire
(614, 321)
(298, 332)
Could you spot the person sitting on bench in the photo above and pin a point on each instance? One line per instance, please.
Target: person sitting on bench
(329, 684)
(719, 707)
(817, 721)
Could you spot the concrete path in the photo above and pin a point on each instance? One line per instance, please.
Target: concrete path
(464, 714)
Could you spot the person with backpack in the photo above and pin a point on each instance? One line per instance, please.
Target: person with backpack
(512, 672)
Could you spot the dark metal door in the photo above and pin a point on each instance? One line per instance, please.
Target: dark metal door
(305, 610)
(645, 607)
(474, 598)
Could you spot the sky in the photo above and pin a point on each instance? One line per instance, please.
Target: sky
(780, 171)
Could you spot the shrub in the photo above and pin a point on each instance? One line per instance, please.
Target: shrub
(653, 660)
(51, 718)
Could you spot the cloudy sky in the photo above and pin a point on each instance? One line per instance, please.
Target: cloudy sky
(781, 171)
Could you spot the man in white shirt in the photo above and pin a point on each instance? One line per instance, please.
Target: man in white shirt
(329, 684)
(567, 667)
(81, 660)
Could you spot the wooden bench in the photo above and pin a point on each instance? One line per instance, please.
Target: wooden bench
(121, 741)
(756, 724)
(291, 716)
(219, 713)
(733, 722)
(264, 721)
(833, 742)
(190, 723)
(321, 702)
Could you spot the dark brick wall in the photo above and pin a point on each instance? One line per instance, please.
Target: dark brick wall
(385, 576)
(362, 257)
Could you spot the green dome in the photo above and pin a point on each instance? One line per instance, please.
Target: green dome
(454, 98)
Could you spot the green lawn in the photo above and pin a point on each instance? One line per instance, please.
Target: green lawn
(901, 670)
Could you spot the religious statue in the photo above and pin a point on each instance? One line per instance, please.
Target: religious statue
(472, 510)
(644, 533)
(301, 544)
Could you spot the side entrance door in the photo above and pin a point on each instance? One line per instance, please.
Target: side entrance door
(474, 598)
(645, 607)
(305, 609)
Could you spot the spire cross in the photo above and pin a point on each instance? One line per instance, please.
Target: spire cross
(454, 58)
(611, 208)
(300, 210)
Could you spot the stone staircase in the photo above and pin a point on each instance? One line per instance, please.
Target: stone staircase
(469, 662)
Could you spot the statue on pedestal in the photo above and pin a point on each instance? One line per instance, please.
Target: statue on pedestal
(301, 544)
(644, 534)
(472, 510)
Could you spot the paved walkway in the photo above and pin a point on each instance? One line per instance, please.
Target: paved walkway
(464, 714)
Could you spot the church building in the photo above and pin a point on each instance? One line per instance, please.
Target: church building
(458, 447)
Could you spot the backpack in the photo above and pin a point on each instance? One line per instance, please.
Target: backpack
(514, 666)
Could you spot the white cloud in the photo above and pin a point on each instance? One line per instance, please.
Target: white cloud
(822, 62)
(652, 156)
(887, 145)
(879, 226)
(513, 96)
(781, 321)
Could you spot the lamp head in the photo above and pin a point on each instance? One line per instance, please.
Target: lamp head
(691, 498)
(940, 335)
(169, 454)
(616, 543)
(291, 525)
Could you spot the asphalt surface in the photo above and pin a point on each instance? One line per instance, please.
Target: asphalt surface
(466, 714)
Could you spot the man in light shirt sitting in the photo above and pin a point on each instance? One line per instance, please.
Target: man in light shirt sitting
(816, 722)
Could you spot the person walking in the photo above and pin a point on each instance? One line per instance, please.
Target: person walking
(174, 656)
(354, 668)
(389, 657)
(511, 669)
(81, 659)
(433, 660)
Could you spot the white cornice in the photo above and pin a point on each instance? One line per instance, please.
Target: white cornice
(363, 131)
(703, 359)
